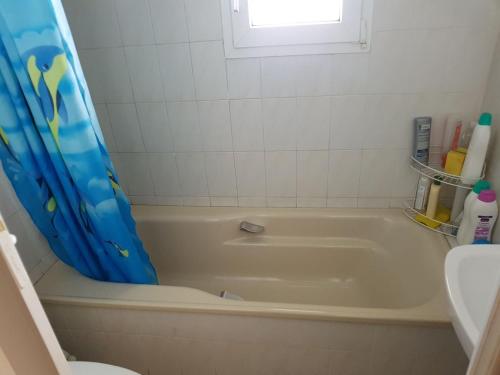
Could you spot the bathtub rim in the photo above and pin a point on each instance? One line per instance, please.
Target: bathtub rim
(50, 292)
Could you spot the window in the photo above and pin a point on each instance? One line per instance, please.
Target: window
(294, 27)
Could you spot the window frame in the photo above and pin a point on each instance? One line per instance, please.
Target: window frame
(352, 35)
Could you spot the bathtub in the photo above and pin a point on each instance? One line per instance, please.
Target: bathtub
(365, 272)
(350, 264)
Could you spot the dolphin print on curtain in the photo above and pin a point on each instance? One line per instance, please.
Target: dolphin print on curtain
(52, 148)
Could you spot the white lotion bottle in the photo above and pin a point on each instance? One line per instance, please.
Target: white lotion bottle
(476, 153)
(463, 230)
(483, 215)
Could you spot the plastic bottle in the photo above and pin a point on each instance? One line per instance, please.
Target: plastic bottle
(433, 199)
(469, 201)
(452, 135)
(424, 183)
(466, 135)
(484, 213)
(476, 153)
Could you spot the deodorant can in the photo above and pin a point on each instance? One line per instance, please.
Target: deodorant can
(421, 139)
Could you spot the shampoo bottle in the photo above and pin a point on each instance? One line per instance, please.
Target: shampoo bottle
(476, 153)
(463, 230)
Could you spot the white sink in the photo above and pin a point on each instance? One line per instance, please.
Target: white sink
(472, 279)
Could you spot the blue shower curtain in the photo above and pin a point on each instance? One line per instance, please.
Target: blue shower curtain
(52, 148)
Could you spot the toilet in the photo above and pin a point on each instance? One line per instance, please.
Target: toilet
(94, 368)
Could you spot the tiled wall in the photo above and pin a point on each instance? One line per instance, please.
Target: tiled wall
(163, 342)
(492, 104)
(32, 246)
(188, 127)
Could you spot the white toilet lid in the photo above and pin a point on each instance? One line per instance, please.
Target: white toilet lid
(93, 368)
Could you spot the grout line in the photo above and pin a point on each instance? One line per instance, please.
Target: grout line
(296, 97)
(330, 117)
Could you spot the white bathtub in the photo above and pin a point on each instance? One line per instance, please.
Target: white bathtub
(369, 274)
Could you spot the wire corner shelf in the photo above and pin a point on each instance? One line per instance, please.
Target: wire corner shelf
(446, 229)
(435, 172)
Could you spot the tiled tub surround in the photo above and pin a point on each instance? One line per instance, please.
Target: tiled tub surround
(492, 104)
(188, 127)
(155, 342)
(335, 291)
(33, 248)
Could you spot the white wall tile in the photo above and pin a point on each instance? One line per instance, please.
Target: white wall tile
(134, 174)
(104, 32)
(374, 202)
(395, 14)
(279, 76)
(244, 78)
(155, 128)
(313, 123)
(164, 173)
(350, 73)
(215, 124)
(192, 175)
(492, 104)
(281, 202)
(312, 173)
(342, 202)
(281, 173)
(428, 70)
(204, 20)
(252, 202)
(196, 201)
(314, 75)
(149, 200)
(423, 61)
(347, 122)
(223, 201)
(125, 125)
(344, 173)
(392, 52)
(221, 174)
(135, 22)
(107, 75)
(405, 180)
(105, 125)
(169, 201)
(251, 174)
(464, 70)
(246, 123)
(280, 123)
(176, 71)
(9, 203)
(144, 73)
(388, 121)
(169, 21)
(434, 14)
(311, 202)
(377, 174)
(183, 118)
(209, 68)
(22, 227)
